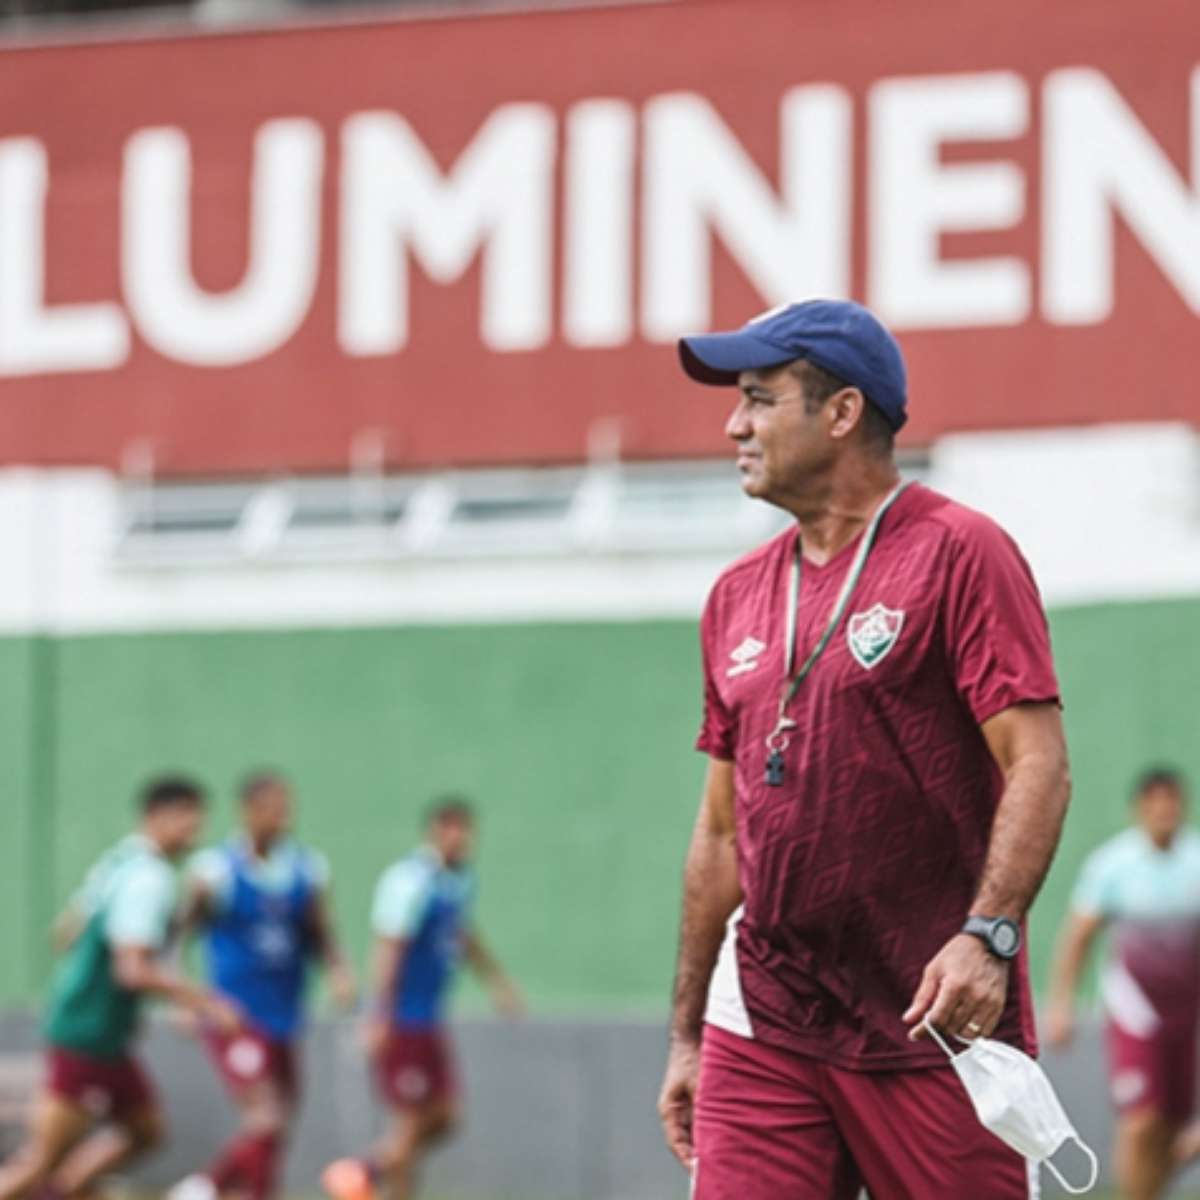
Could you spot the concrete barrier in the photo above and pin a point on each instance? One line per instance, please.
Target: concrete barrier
(556, 1110)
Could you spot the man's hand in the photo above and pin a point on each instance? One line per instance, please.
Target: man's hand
(962, 991)
(342, 988)
(677, 1099)
(185, 1021)
(1060, 1026)
(220, 1014)
(507, 998)
(374, 1035)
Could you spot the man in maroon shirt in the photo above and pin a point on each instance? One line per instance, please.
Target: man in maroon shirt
(886, 784)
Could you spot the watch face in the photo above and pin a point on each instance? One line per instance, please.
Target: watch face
(1006, 937)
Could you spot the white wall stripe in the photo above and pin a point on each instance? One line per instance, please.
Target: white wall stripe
(1088, 541)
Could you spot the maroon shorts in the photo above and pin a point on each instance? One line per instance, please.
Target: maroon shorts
(416, 1067)
(1157, 1072)
(249, 1057)
(771, 1124)
(113, 1088)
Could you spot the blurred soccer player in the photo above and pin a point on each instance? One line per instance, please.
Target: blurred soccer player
(97, 1109)
(886, 784)
(261, 900)
(1144, 885)
(422, 923)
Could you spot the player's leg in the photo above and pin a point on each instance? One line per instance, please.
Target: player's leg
(128, 1137)
(1142, 1160)
(417, 1081)
(422, 1090)
(259, 1076)
(56, 1124)
(1144, 1079)
(762, 1128)
(914, 1134)
(441, 1122)
(249, 1164)
(134, 1126)
(1185, 1148)
(412, 1132)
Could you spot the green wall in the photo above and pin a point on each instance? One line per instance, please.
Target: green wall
(574, 740)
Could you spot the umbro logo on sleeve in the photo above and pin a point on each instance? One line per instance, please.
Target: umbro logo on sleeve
(745, 657)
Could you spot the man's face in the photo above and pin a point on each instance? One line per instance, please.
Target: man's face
(780, 443)
(268, 813)
(453, 838)
(176, 827)
(1160, 812)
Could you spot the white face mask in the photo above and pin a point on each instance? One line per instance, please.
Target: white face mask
(1014, 1099)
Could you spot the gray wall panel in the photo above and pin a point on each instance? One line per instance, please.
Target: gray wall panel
(555, 1110)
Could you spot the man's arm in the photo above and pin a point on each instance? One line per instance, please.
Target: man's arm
(195, 910)
(67, 927)
(137, 970)
(711, 891)
(1075, 944)
(963, 989)
(328, 948)
(505, 994)
(387, 964)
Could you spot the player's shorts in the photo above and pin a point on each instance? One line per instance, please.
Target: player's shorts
(1157, 1072)
(769, 1124)
(249, 1057)
(109, 1088)
(416, 1067)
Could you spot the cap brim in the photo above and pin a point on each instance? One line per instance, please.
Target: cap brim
(719, 358)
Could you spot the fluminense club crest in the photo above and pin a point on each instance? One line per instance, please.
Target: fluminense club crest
(873, 633)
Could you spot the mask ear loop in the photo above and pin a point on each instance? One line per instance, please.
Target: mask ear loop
(1091, 1183)
(937, 1037)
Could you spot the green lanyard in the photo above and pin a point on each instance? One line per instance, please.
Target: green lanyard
(777, 739)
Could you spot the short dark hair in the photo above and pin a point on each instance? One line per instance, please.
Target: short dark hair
(167, 791)
(819, 384)
(256, 782)
(450, 808)
(1159, 776)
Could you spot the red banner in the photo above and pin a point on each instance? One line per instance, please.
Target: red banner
(474, 240)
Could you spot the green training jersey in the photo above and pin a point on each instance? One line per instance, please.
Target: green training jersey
(126, 900)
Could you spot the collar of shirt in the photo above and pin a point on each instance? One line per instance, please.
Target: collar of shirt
(140, 843)
(275, 872)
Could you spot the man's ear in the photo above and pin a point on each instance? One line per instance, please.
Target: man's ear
(846, 410)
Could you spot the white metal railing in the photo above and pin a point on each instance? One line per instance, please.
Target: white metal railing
(605, 508)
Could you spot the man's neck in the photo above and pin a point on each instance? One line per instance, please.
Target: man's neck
(261, 847)
(1162, 843)
(150, 836)
(840, 509)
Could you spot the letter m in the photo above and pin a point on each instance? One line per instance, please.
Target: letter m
(497, 198)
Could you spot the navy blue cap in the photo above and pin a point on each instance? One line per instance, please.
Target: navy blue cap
(842, 337)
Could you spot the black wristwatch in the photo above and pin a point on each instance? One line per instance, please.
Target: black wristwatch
(1000, 935)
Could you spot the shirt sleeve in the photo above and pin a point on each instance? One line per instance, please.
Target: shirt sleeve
(211, 869)
(1093, 894)
(139, 911)
(997, 639)
(316, 868)
(400, 901)
(717, 726)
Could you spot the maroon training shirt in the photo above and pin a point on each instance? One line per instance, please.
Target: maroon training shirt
(865, 862)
